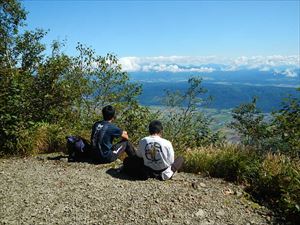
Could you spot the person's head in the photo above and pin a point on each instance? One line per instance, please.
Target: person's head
(108, 113)
(155, 127)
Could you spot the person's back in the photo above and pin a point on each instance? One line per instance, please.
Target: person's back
(158, 153)
(102, 137)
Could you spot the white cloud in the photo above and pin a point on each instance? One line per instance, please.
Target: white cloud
(130, 64)
(203, 69)
(161, 68)
(175, 68)
(290, 73)
(207, 64)
(271, 61)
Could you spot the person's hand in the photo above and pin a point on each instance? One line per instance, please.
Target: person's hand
(124, 135)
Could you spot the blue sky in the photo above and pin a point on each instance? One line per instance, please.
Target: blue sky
(171, 28)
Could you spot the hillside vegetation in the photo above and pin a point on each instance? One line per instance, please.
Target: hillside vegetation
(44, 98)
(225, 96)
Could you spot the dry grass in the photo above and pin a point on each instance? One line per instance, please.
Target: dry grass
(272, 178)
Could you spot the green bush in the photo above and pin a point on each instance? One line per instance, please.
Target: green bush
(135, 120)
(279, 183)
(232, 162)
(46, 138)
(184, 125)
(280, 133)
(272, 178)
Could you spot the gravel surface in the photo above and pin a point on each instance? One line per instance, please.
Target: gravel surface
(36, 190)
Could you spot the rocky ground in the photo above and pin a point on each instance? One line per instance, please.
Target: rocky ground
(37, 190)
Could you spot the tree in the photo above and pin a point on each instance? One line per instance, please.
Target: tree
(280, 133)
(250, 124)
(286, 122)
(99, 81)
(51, 96)
(25, 77)
(186, 126)
(12, 83)
(12, 16)
(28, 51)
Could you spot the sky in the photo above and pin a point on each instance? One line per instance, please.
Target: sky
(137, 31)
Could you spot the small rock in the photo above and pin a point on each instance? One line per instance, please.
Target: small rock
(210, 222)
(195, 185)
(239, 194)
(220, 213)
(200, 213)
(202, 185)
(64, 159)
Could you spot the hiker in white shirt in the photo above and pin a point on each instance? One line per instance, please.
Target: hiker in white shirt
(158, 153)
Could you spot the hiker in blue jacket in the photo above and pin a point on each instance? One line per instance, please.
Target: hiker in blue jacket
(103, 134)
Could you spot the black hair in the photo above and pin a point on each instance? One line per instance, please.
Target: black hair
(155, 127)
(108, 112)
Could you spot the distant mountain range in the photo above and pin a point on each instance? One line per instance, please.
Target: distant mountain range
(228, 88)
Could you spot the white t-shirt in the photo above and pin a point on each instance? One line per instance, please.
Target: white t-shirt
(158, 154)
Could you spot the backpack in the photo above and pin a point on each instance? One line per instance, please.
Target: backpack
(78, 149)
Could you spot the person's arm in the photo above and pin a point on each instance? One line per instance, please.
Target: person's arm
(119, 133)
(139, 151)
(124, 135)
(171, 153)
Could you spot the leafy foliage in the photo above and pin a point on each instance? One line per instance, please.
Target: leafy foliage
(12, 88)
(286, 124)
(51, 96)
(185, 126)
(135, 119)
(278, 134)
(58, 90)
(272, 178)
(99, 81)
(12, 114)
(250, 124)
(12, 16)
(44, 98)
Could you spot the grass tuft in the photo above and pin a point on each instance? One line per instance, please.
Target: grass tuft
(273, 178)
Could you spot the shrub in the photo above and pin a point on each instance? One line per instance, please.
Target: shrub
(47, 138)
(272, 178)
(280, 133)
(250, 124)
(232, 162)
(286, 124)
(198, 160)
(279, 184)
(184, 125)
(44, 138)
(135, 120)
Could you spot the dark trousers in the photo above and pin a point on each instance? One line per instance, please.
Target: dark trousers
(177, 164)
(115, 153)
(120, 147)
